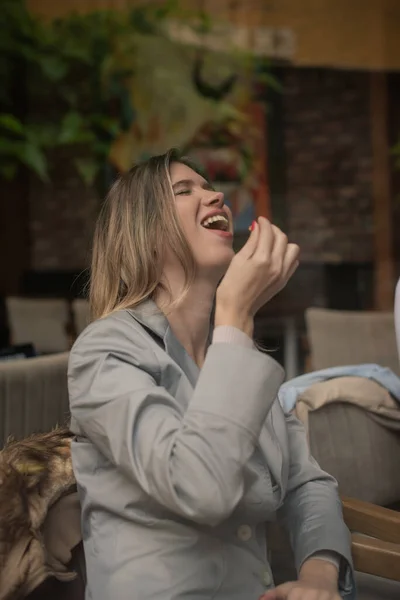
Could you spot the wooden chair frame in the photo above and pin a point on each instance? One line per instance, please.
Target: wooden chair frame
(375, 538)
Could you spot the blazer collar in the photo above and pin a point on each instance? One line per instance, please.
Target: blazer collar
(153, 319)
(150, 316)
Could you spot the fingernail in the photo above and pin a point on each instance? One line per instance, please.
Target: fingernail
(252, 226)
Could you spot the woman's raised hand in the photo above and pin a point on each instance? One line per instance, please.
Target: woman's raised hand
(258, 272)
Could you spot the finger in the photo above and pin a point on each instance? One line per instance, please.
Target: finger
(292, 270)
(251, 245)
(279, 593)
(266, 239)
(269, 596)
(280, 246)
(290, 259)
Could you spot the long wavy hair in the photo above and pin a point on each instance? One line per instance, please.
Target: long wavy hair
(136, 223)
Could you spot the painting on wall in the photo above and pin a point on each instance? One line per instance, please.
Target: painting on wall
(234, 157)
(209, 113)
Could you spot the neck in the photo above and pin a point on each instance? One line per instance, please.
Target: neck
(190, 319)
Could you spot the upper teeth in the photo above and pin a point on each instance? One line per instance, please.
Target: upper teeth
(214, 219)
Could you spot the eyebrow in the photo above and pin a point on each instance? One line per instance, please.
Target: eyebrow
(189, 182)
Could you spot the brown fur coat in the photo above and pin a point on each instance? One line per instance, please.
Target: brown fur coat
(35, 475)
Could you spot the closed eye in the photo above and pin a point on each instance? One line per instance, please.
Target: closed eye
(187, 191)
(185, 187)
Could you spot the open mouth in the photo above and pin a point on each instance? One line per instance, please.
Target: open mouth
(217, 222)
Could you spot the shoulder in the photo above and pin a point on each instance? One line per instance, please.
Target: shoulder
(112, 358)
(118, 334)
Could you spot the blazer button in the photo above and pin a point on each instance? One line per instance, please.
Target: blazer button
(267, 579)
(244, 533)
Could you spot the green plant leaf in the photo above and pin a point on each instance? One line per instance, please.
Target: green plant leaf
(54, 67)
(33, 157)
(11, 123)
(106, 124)
(269, 80)
(101, 149)
(10, 147)
(205, 23)
(71, 96)
(71, 127)
(140, 19)
(227, 111)
(87, 169)
(44, 135)
(8, 170)
(165, 10)
(78, 51)
(396, 149)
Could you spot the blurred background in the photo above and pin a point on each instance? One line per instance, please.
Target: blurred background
(293, 108)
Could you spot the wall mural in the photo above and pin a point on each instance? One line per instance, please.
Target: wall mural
(234, 157)
(202, 103)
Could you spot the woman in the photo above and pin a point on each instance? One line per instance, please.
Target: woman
(182, 452)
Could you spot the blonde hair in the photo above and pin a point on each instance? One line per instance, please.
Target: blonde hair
(136, 223)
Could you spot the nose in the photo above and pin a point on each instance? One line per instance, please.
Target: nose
(213, 198)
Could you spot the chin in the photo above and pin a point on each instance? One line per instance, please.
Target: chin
(218, 268)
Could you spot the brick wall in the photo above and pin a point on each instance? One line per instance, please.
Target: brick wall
(62, 217)
(328, 155)
(328, 179)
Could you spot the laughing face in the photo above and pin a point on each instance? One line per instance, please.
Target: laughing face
(204, 218)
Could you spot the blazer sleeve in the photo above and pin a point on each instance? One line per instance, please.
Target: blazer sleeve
(190, 459)
(312, 510)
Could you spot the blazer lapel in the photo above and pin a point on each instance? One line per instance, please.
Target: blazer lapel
(154, 320)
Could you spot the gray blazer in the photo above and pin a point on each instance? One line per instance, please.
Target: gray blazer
(179, 469)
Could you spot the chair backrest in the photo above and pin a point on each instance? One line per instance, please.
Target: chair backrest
(81, 314)
(33, 395)
(360, 453)
(42, 322)
(339, 337)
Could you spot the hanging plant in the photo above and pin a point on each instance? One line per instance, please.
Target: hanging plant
(76, 93)
(110, 85)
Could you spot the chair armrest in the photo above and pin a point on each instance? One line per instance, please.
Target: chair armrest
(371, 520)
(376, 557)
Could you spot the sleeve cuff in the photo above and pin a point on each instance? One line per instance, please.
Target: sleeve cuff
(331, 557)
(226, 334)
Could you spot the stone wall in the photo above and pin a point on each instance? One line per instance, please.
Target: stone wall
(328, 157)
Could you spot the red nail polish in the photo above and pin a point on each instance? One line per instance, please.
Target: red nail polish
(252, 226)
